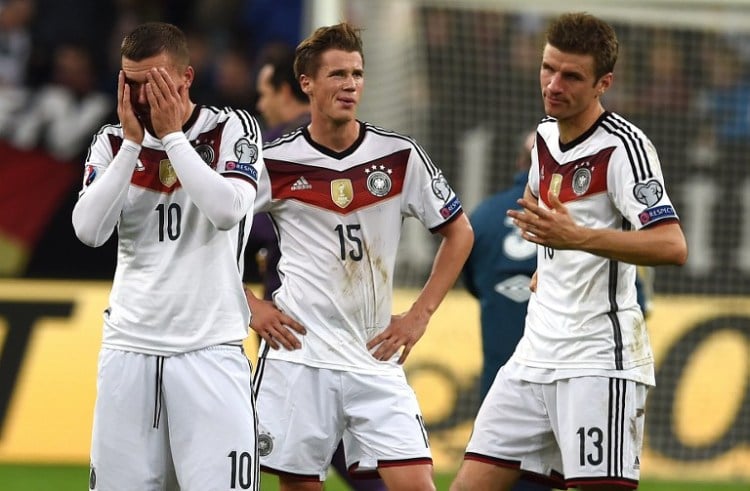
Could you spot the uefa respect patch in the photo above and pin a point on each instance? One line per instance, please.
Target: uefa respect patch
(450, 208)
(243, 168)
(656, 214)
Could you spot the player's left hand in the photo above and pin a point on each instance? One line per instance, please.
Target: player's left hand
(274, 326)
(403, 332)
(551, 228)
(168, 104)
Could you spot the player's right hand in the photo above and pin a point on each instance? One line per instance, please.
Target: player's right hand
(132, 128)
(273, 325)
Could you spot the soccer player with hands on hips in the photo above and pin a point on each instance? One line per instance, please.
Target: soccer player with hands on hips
(174, 407)
(568, 407)
(330, 364)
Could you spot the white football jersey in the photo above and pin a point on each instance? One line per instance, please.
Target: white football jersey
(178, 282)
(338, 218)
(584, 317)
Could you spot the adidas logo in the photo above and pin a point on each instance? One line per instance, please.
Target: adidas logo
(637, 464)
(301, 184)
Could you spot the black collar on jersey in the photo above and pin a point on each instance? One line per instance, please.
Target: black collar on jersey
(192, 119)
(564, 147)
(331, 153)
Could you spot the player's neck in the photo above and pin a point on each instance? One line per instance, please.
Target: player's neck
(572, 128)
(336, 136)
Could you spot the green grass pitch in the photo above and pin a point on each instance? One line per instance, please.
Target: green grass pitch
(74, 478)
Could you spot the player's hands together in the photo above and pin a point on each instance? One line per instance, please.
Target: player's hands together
(132, 128)
(274, 326)
(403, 332)
(551, 228)
(168, 103)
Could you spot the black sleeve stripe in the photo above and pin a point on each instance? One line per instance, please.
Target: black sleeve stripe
(627, 149)
(639, 143)
(432, 169)
(248, 123)
(240, 241)
(284, 138)
(633, 144)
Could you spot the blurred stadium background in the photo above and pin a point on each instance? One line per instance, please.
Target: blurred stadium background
(461, 77)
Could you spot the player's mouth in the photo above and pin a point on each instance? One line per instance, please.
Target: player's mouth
(553, 102)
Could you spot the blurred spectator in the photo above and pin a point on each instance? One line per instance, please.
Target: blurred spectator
(62, 115)
(662, 102)
(271, 21)
(233, 80)
(281, 102)
(15, 49)
(15, 40)
(82, 22)
(666, 88)
(283, 107)
(202, 57)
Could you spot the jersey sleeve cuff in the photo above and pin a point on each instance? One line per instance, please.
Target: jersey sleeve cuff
(130, 146)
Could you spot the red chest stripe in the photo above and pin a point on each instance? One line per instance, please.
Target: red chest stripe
(153, 170)
(339, 191)
(580, 178)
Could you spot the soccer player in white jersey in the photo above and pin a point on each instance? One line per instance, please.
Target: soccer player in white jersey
(337, 191)
(568, 407)
(174, 404)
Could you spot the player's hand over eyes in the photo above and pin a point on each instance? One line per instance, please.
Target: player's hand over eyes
(403, 332)
(132, 128)
(166, 102)
(274, 326)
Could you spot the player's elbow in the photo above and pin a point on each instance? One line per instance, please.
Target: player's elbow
(88, 233)
(679, 249)
(673, 252)
(680, 254)
(90, 237)
(226, 221)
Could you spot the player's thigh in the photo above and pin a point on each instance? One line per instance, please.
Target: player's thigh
(129, 448)
(408, 477)
(209, 403)
(300, 419)
(292, 483)
(386, 427)
(512, 428)
(599, 425)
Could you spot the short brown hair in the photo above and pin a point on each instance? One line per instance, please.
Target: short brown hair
(153, 38)
(584, 34)
(342, 36)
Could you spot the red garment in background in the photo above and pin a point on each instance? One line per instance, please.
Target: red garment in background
(32, 186)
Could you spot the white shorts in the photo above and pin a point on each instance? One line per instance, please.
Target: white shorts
(187, 418)
(305, 411)
(572, 432)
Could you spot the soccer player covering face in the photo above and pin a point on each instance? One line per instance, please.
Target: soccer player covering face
(331, 358)
(174, 405)
(568, 407)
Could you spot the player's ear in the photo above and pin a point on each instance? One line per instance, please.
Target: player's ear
(306, 83)
(189, 76)
(605, 82)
